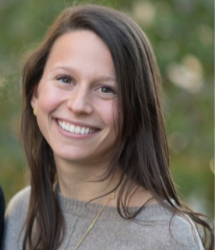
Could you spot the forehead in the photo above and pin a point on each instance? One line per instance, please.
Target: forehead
(83, 49)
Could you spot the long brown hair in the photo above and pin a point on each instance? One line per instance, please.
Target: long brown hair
(141, 148)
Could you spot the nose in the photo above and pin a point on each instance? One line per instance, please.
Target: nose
(79, 102)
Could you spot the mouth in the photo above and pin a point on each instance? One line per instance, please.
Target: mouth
(75, 129)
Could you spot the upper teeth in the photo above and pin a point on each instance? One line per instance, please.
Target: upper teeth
(75, 129)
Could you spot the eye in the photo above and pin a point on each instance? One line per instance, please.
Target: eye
(107, 90)
(65, 79)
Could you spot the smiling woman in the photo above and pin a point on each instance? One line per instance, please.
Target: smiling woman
(74, 113)
(95, 142)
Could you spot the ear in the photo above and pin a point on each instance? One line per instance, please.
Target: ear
(34, 98)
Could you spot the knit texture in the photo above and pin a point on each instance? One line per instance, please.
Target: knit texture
(151, 230)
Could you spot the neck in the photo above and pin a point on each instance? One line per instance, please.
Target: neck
(83, 183)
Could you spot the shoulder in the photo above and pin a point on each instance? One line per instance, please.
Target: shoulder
(19, 202)
(168, 230)
(15, 216)
(184, 233)
(18, 207)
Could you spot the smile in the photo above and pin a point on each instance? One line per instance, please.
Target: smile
(75, 129)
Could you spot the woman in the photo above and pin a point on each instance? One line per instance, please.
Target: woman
(94, 137)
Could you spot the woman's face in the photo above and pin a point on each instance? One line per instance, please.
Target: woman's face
(76, 99)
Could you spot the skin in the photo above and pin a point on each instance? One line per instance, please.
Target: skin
(79, 87)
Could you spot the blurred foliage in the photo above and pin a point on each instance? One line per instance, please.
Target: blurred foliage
(181, 33)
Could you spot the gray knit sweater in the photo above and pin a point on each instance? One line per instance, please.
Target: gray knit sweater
(110, 232)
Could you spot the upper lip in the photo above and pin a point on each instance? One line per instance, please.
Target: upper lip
(77, 123)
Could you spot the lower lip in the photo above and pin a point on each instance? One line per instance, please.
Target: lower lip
(71, 135)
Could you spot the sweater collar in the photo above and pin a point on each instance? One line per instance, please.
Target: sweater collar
(91, 209)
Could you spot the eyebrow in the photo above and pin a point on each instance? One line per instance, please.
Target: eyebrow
(101, 78)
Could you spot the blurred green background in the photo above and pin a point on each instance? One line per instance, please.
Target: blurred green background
(181, 33)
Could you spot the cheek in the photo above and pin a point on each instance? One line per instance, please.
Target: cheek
(48, 99)
(109, 113)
